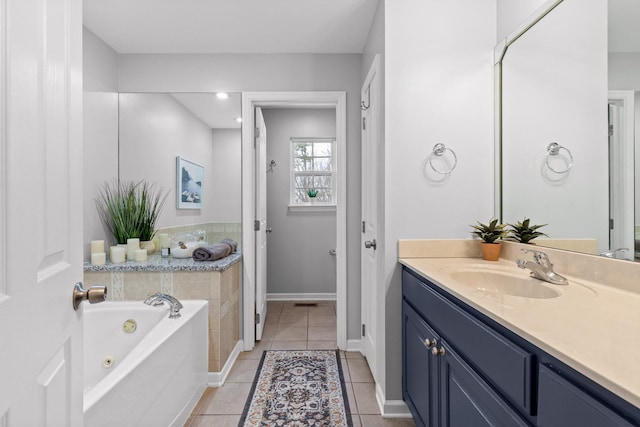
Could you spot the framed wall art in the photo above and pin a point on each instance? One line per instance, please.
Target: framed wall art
(189, 184)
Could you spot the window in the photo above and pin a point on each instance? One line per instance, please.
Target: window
(313, 168)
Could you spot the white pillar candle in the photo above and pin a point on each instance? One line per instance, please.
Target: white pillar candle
(99, 258)
(140, 255)
(117, 254)
(97, 246)
(164, 240)
(132, 246)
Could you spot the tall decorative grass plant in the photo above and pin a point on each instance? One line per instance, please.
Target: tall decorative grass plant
(130, 209)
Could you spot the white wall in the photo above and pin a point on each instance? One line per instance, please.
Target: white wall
(154, 129)
(226, 185)
(511, 14)
(269, 72)
(555, 90)
(439, 88)
(100, 133)
(298, 259)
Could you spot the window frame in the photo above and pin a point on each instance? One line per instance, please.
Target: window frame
(293, 173)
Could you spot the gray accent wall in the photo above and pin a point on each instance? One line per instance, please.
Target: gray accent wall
(298, 259)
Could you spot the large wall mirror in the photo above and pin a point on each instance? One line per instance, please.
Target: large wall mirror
(204, 128)
(560, 87)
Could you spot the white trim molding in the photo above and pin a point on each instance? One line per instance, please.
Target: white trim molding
(251, 100)
(301, 297)
(217, 379)
(391, 408)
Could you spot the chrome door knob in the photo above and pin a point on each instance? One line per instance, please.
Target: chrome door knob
(430, 343)
(268, 230)
(370, 244)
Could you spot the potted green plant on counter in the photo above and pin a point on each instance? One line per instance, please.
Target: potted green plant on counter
(491, 235)
(312, 193)
(130, 210)
(523, 232)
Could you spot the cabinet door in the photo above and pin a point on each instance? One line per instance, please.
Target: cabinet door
(419, 369)
(466, 400)
(561, 403)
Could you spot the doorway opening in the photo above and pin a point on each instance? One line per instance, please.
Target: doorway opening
(621, 173)
(254, 279)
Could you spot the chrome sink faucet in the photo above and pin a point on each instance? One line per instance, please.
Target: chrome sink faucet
(160, 298)
(542, 268)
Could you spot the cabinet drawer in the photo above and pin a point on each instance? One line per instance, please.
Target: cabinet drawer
(506, 366)
(560, 403)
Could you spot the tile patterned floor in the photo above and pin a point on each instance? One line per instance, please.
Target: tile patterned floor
(292, 327)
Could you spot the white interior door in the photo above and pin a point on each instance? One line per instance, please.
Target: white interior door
(40, 212)
(370, 253)
(261, 220)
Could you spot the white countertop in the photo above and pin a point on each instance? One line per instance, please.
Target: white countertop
(591, 327)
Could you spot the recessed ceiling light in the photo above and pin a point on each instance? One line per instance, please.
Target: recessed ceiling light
(239, 119)
(222, 95)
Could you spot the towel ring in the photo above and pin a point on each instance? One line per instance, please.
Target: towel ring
(439, 150)
(553, 149)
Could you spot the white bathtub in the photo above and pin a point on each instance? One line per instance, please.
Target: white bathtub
(151, 377)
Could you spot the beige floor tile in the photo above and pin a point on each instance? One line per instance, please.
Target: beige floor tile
(322, 319)
(322, 345)
(322, 333)
(291, 333)
(289, 345)
(322, 311)
(345, 370)
(356, 421)
(359, 370)
(365, 395)
(293, 320)
(227, 400)
(257, 351)
(269, 331)
(353, 355)
(243, 371)
(215, 421)
(351, 398)
(378, 421)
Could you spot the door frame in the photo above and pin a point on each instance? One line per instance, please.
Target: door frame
(623, 207)
(250, 100)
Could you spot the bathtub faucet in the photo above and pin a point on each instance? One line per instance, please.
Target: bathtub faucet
(160, 298)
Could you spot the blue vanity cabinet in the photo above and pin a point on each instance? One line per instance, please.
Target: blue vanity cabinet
(561, 403)
(440, 388)
(461, 368)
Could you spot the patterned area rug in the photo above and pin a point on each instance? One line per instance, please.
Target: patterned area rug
(298, 388)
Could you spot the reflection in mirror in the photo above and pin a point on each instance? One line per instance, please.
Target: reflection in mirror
(554, 89)
(155, 128)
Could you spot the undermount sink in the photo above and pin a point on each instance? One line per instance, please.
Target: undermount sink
(502, 281)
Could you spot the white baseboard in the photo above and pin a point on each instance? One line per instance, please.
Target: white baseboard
(391, 408)
(302, 297)
(217, 379)
(354, 345)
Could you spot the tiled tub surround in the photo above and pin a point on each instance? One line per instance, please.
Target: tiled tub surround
(217, 282)
(594, 331)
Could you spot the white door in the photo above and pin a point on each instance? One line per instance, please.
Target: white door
(40, 212)
(370, 250)
(261, 221)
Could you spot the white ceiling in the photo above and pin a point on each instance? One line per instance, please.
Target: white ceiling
(215, 112)
(231, 26)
